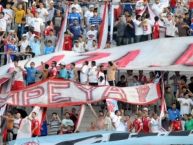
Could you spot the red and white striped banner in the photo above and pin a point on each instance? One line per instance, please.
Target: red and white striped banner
(59, 93)
(103, 31)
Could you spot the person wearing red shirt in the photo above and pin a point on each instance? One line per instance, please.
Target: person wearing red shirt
(35, 125)
(137, 123)
(176, 125)
(53, 70)
(67, 41)
(33, 8)
(142, 78)
(145, 121)
(173, 5)
(190, 3)
(156, 29)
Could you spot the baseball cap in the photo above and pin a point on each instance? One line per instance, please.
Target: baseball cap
(145, 109)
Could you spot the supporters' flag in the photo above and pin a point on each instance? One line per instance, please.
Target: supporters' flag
(25, 126)
(152, 15)
(112, 105)
(139, 7)
(6, 80)
(103, 31)
(80, 116)
(163, 103)
(2, 109)
(60, 42)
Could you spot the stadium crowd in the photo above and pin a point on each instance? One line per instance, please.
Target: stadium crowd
(131, 118)
(32, 29)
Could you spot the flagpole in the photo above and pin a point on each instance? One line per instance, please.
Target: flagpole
(112, 23)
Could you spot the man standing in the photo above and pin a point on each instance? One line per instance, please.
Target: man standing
(84, 73)
(31, 73)
(111, 72)
(146, 121)
(73, 72)
(117, 121)
(173, 113)
(100, 123)
(16, 124)
(92, 74)
(35, 125)
(54, 124)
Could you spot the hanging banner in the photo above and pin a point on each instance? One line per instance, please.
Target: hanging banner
(59, 93)
(152, 55)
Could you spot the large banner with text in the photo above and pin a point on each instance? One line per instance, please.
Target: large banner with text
(58, 93)
(168, 54)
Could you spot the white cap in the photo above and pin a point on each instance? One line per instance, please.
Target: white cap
(24, 35)
(91, 6)
(145, 109)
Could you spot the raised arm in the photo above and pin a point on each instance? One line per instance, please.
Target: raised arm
(25, 65)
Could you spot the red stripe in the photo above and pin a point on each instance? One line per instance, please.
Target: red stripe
(186, 56)
(93, 56)
(43, 115)
(102, 27)
(57, 58)
(3, 80)
(125, 60)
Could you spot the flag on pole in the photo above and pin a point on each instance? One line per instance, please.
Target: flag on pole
(80, 116)
(112, 105)
(103, 31)
(25, 126)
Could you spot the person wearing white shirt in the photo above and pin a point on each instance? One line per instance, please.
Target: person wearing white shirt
(37, 23)
(147, 28)
(138, 29)
(84, 73)
(43, 13)
(157, 8)
(92, 74)
(117, 121)
(78, 47)
(23, 43)
(93, 47)
(101, 76)
(77, 6)
(169, 23)
(3, 23)
(9, 15)
(88, 14)
(185, 102)
(155, 125)
(91, 35)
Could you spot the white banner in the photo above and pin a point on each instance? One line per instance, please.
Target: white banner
(168, 54)
(58, 93)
